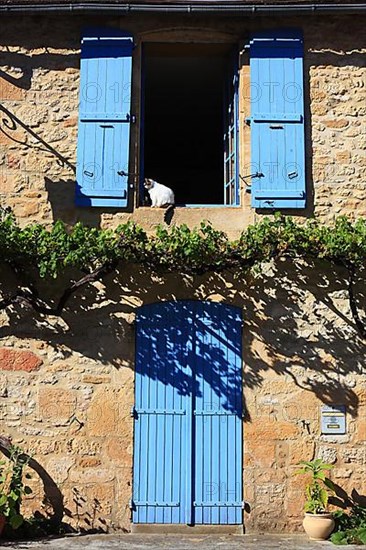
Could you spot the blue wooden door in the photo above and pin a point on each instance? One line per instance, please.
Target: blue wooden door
(188, 414)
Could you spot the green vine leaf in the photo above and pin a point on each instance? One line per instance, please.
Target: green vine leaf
(38, 251)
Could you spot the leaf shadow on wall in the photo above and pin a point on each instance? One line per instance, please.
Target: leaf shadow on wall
(342, 499)
(52, 495)
(296, 327)
(88, 508)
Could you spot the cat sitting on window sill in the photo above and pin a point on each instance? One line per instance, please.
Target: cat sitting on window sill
(161, 197)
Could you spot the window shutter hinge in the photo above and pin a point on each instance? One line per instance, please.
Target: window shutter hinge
(244, 46)
(133, 413)
(130, 504)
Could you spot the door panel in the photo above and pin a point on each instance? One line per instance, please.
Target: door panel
(218, 413)
(188, 434)
(160, 417)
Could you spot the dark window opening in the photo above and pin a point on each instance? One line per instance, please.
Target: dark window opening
(184, 119)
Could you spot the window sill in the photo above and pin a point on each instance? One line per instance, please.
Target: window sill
(188, 206)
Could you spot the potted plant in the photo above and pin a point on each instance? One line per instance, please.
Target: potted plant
(318, 523)
(12, 488)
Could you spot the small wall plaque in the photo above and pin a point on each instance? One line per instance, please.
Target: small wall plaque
(333, 419)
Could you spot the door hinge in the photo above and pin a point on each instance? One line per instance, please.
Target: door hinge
(244, 46)
(130, 504)
(133, 413)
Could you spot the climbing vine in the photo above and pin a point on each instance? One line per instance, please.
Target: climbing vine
(34, 252)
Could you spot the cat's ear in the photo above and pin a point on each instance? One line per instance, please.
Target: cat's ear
(149, 183)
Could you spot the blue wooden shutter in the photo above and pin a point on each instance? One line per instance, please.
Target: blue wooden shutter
(104, 119)
(277, 120)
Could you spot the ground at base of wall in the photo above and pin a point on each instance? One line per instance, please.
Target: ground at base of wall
(179, 542)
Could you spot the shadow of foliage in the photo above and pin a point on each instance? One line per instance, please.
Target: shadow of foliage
(296, 322)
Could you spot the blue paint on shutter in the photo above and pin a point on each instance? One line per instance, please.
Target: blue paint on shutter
(277, 120)
(188, 414)
(104, 119)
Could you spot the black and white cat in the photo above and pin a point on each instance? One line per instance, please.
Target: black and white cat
(161, 197)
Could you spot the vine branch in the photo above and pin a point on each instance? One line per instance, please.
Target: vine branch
(34, 252)
(29, 297)
(361, 326)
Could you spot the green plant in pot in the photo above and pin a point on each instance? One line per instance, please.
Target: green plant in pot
(318, 522)
(12, 488)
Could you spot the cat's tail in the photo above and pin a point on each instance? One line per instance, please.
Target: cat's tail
(169, 213)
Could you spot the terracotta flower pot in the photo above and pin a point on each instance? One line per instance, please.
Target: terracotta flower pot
(318, 526)
(2, 523)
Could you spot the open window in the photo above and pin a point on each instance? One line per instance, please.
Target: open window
(190, 121)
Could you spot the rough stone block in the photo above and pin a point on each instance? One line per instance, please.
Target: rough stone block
(93, 475)
(301, 450)
(109, 413)
(89, 462)
(19, 360)
(264, 429)
(9, 91)
(58, 467)
(56, 405)
(337, 123)
(119, 450)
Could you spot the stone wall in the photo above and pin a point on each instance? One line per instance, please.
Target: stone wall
(39, 96)
(67, 390)
(66, 385)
